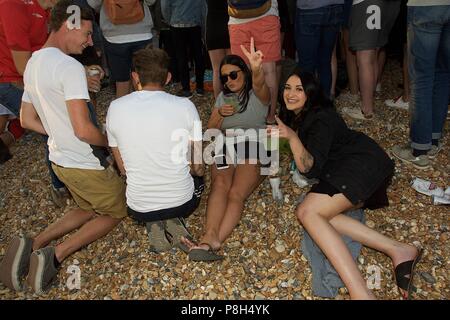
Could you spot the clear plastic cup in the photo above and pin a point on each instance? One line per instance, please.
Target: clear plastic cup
(232, 99)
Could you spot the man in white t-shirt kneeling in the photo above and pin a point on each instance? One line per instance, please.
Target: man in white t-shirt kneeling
(152, 134)
(54, 103)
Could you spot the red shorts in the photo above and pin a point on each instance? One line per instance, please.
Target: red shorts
(266, 34)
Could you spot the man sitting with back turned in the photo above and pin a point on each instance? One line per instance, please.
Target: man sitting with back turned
(151, 133)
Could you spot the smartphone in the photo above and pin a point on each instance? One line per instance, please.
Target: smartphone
(221, 162)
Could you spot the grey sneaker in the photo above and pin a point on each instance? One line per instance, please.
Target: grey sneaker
(59, 196)
(157, 236)
(14, 266)
(176, 228)
(432, 153)
(405, 154)
(42, 269)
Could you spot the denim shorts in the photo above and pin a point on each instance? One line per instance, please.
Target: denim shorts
(119, 57)
(11, 97)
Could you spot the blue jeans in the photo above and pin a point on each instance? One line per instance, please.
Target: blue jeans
(11, 97)
(429, 72)
(316, 33)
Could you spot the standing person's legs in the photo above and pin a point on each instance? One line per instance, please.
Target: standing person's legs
(424, 41)
(307, 38)
(367, 78)
(119, 60)
(406, 86)
(270, 77)
(216, 57)
(180, 42)
(196, 45)
(381, 61)
(334, 71)
(331, 22)
(441, 91)
(352, 68)
(166, 43)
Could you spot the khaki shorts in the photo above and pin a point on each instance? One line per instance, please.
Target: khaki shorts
(265, 32)
(101, 191)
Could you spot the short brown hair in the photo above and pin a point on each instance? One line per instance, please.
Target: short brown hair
(152, 65)
(59, 14)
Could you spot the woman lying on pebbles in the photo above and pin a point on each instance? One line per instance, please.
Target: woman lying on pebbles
(353, 172)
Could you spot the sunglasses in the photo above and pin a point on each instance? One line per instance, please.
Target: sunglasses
(232, 75)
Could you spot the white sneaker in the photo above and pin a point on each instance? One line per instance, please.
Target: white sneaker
(427, 187)
(378, 87)
(397, 103)
(356, 113)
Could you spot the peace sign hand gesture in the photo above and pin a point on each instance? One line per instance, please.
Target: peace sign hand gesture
(254, 57)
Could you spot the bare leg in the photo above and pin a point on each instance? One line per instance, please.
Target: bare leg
(216, 57)
(69, 222)
(246, 178)
(221, 181)
(381, 60)
(122, 88)
(334, 71)
(367, 72)
(270, 76)
(405, 75)
(397, 251)
(88, 233)
(314, 213)
(352, 69)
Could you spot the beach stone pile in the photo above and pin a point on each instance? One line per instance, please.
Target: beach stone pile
(263, 257)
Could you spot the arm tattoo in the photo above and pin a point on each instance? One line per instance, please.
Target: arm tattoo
(307, 161)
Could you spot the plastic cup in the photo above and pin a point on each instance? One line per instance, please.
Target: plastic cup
(232, 100)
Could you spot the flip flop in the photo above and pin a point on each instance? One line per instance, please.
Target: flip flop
(204, 255)
(405, 269)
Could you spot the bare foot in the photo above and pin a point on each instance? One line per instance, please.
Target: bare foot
(202, 245)
(405, 253)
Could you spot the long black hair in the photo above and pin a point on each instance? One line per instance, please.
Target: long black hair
(315, 99)
(244, 95)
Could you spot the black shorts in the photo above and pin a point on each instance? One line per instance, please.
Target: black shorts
(363, 38)
(217, 36)
(377, 200)
(182, 211)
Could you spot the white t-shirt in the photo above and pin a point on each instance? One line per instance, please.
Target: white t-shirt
(143, 126)
(51, 78)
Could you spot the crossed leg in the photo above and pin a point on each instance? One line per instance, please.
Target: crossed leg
(320, 215)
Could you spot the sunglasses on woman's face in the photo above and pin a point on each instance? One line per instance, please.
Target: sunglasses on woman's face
(232, 75)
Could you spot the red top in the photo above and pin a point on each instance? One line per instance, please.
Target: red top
(23, 27)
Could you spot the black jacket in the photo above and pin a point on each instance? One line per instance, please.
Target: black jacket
(348, 160)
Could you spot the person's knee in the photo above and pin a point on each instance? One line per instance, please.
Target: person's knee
(222, 184)
(304, 213)
(234, 195)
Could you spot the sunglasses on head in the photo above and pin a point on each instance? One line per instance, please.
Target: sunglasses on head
(232, 75)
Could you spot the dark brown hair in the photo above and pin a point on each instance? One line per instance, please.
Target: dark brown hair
(152, 65)
(59, 14)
